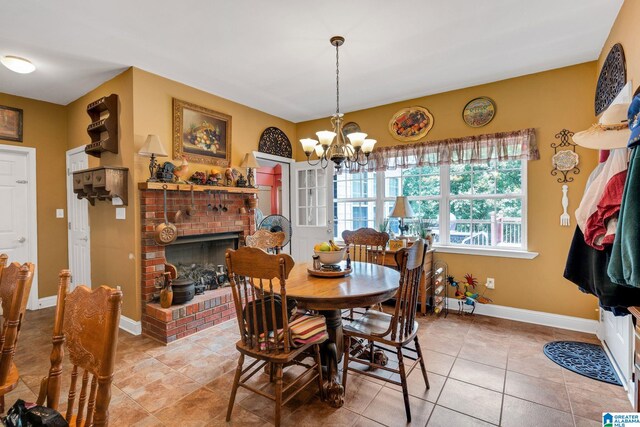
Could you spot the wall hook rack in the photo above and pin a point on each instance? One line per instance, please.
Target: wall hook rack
(565, 159)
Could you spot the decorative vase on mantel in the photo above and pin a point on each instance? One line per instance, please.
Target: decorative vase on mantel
(166, 293)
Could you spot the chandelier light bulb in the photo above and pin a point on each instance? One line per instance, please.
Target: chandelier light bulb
(17, 64)
(367, 146)
(326, 137)
(357, 138)
(308, 145)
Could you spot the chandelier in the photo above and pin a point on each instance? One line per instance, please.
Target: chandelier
(340, 152)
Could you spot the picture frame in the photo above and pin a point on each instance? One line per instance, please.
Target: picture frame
(479, 112)
(411, 124)
(11, 123)
(201, 135)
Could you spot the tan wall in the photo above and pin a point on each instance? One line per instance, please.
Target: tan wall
(113, 248)
(44, 127)
(153, 113)
(625, 31)
(548, 102)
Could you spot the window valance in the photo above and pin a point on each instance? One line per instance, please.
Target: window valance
(515, 145)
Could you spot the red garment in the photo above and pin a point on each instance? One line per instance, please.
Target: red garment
(600, 229)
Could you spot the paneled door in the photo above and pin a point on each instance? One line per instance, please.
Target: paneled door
(18, 235)
(617, 336)
(78, 223)
(312, 215)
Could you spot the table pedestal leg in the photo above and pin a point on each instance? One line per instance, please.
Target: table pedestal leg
(331, 355)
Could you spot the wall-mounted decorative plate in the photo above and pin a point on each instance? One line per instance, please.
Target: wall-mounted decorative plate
(274, 141)
(613, 77)
(479, 112)
(411, 124)
(565, 160)
(350, 127)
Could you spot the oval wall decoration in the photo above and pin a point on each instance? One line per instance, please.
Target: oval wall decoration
(411, 124)
(274, 141)
(479, 112)
(612, 79)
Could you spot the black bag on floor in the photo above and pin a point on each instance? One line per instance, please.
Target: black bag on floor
(23, 414)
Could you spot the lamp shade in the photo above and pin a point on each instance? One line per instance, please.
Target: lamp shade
(249, 161)
(402, 209)
(152, 146)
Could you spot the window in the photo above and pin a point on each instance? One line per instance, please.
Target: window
(470, 205)
(354, 203)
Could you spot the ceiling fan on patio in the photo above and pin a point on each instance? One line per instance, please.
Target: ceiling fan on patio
(275, 223)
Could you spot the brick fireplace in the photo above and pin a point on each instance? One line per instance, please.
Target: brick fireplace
(214, 306)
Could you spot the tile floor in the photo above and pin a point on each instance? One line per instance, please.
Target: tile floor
(483, 371)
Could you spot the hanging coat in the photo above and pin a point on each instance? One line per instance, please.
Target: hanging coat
(624, 266)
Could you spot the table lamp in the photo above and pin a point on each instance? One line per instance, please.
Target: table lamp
(250, 163)
(152, 148)
(402, 210)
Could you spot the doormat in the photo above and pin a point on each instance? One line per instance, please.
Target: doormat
(583, 358)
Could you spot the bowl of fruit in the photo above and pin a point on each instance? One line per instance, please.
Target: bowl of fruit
(329, 252)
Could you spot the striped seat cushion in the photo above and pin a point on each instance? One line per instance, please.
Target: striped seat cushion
(303, 330)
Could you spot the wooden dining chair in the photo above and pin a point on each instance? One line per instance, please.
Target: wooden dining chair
(365, 245)
(15, 285)
(392, 332)
(267, 334)
(266, 240)
(87, 322)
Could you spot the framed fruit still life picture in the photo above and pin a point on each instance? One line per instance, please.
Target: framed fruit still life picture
(411, 124)
(201, 135)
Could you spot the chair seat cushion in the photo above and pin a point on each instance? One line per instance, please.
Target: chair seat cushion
(373, 322)
(308, 329)
(303, 330)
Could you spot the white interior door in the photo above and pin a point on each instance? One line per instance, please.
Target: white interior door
(78, 223)
(312, 214)
(18, 234)
(617, 336)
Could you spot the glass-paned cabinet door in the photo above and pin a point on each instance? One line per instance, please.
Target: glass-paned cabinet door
(312, 197)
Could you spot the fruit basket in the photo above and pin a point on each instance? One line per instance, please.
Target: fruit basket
(331, 257)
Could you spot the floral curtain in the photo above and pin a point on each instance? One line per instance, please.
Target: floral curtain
(515, 145)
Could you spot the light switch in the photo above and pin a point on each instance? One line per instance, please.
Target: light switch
(121, 213)
(59, 213)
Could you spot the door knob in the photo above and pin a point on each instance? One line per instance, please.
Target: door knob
(22, 240)
(85, 238)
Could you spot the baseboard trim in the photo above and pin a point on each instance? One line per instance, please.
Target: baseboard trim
(47, 302)
(131, 326)
(530, 316)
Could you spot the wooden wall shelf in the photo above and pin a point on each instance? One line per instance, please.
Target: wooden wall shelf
(103, 129)
(102, 183)
(187, 187)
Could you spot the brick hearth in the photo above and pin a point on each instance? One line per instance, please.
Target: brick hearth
(167, 325)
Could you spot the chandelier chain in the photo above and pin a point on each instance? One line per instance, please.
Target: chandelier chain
(337, 80)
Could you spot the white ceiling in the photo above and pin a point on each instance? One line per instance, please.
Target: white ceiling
(275, 55)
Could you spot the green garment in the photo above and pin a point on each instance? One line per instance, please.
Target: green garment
(624, 265)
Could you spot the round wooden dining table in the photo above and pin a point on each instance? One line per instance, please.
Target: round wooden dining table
(366, 285)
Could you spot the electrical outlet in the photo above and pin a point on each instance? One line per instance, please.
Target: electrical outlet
(491, 283)
(59, 213)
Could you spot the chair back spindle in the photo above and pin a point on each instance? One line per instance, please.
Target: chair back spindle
(366, 245)
(87, 322)
(410, 262)
(258, 283)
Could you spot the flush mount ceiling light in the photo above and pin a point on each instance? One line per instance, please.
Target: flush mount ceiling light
(17, 64)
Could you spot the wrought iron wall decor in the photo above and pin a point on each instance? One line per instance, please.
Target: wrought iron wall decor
(274, 141)
(565, 159)
(613, 77)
